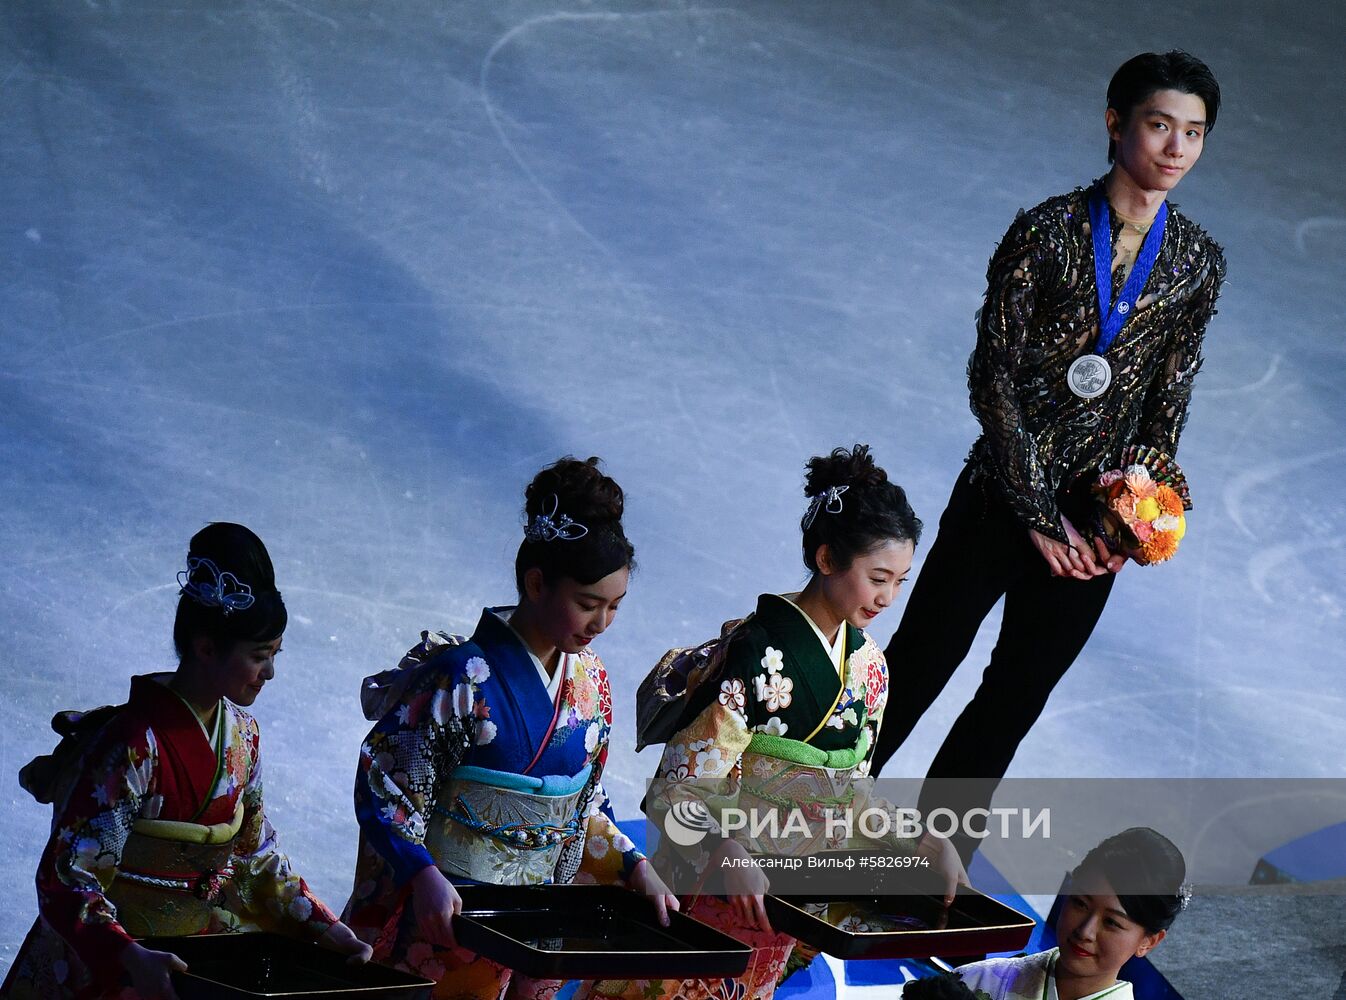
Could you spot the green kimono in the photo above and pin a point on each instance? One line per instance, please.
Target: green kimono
(788, 722)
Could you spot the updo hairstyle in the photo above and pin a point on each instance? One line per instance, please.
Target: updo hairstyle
(873, 510)
(227, 563)
(1145, 870)
(580, 492)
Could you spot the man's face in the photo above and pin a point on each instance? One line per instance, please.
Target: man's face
(1161, 140)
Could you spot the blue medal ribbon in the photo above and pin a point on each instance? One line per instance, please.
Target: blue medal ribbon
(1111, 320)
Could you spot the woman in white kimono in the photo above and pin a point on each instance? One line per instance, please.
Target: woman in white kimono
(1122, 899)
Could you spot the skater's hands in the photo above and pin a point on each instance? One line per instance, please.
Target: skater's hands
(342, 940)
(644, 879)
(434, 900)
(1075, 559)
(151, 971)
(745, 887)
(1112, 561)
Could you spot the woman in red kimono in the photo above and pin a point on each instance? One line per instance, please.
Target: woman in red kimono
(158, 824)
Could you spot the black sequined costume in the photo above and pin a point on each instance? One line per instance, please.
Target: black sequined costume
(1041, 312)
(1040, 447)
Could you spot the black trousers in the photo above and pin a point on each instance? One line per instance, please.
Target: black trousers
(981, 553)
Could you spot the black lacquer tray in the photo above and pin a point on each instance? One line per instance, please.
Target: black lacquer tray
(590, 932)
(234, 966)
(900, 926)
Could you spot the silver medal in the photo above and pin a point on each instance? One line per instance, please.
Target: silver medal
(1089, 376)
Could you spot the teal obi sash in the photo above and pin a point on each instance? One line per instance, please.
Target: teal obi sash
(505, 828)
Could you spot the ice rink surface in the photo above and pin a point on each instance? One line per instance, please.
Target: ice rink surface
(351, 272)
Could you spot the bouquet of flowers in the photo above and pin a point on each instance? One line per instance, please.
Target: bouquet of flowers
(1142, 506)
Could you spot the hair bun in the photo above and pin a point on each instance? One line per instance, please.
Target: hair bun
(235, 549)
(583, 493)
(854, 467)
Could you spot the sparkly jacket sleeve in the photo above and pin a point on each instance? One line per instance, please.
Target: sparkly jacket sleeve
(1021, 268)
(1165, 407)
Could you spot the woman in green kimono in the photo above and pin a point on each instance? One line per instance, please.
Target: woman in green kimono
(790, 718)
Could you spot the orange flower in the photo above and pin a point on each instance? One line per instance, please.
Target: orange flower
(1160, 546)
(1169, 501)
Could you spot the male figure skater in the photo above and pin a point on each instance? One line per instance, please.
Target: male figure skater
(1073, 363)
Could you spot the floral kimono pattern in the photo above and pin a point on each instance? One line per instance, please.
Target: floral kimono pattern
(1028, 977)
(153, 764)
(779, 695)
(457, 733)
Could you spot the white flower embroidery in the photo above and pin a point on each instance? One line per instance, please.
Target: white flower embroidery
(772, 727)
(300, 908)
(761, 767)
(842, 719)
(732, 695)
(775, 691)
(138, 777)
(440, 707)
(621, 842)
(462, 700)
(773, 661)
(591, 737)
(485, 732)
(675, 756)
(709, 762)
(477, 670)
(596, 846)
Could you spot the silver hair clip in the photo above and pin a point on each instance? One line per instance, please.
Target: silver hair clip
(1185, 894)
(551, 526)
(830, 498)
(222, 590)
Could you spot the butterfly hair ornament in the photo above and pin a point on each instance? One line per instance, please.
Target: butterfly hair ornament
(217, 589)
(552, 525)
(829, 500)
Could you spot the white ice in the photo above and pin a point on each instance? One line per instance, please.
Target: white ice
(350, 273)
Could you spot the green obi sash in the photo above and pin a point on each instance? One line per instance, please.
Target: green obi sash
(788, 776)
(505, 828)
(806, 754)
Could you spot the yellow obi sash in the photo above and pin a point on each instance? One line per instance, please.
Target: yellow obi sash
(504, 828)
(172, 875)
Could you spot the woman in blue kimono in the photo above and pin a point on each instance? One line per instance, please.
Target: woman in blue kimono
(485, 764)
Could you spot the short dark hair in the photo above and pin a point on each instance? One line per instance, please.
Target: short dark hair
(1145, 871)
(581, 492)
(869, 509)
(226, 548)
(1142, 75)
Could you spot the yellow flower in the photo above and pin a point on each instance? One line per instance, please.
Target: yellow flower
(1147, 509)
(1182, 527)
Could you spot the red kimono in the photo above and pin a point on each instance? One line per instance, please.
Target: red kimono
(163, 832)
